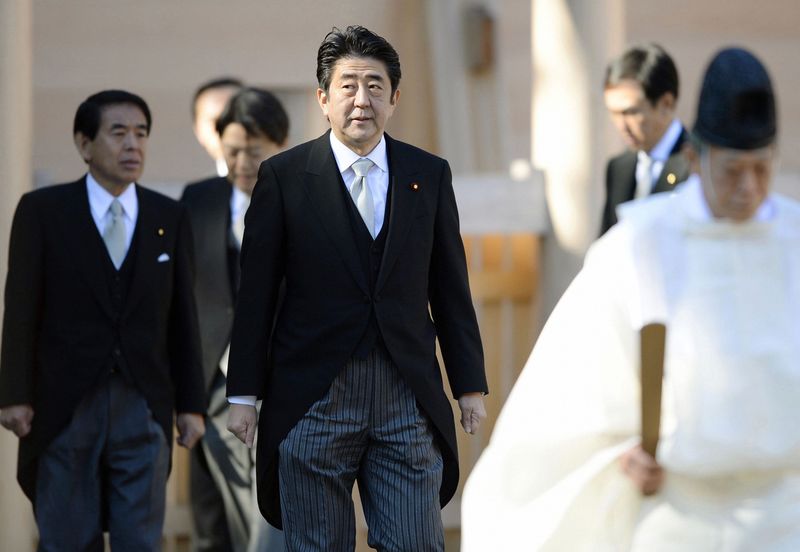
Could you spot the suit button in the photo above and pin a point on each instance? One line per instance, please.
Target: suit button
(230, 311)
(117, 352)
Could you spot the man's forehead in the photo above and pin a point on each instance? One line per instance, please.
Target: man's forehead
(237, 135)
(623, 95)
(360, 66)
(122, 113)
(217, 95)
(731, 155)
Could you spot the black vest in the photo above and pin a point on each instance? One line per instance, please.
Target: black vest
(370, 253)
(119, 284)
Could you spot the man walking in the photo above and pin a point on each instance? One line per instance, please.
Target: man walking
(364, 230)
(100, 342)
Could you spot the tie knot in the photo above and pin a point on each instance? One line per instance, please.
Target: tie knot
(644, 158)
(116, 208)
(362, 166)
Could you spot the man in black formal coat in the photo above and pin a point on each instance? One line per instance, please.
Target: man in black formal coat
(641, 93)
(365, 231)
(100, 342)
(252, 128)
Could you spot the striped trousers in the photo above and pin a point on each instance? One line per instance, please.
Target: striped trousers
(367, 428)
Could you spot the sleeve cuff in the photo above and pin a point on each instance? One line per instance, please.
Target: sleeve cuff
(249, 400)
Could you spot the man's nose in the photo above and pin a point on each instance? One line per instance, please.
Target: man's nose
(748, 182)
(618, 120)
(132, 141)
(242, 160)
(362, 97)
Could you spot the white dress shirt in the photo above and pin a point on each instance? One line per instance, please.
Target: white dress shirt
(240, 201)
(100, 202)
(377, 177)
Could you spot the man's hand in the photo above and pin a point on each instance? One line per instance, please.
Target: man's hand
(191, 427)
(643, 470)
(242, 423)
(17, 418)
(472, 411)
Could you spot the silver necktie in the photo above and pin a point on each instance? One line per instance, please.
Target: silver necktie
(362, 196)
(114, 234)
(644, 175)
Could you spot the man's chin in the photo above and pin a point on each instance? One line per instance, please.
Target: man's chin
(246, 186)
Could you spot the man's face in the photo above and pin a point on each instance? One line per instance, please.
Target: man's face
(358, 102)
(640, 123)
(736, 182)
(208, 108)
(116, 154)
(244, 153)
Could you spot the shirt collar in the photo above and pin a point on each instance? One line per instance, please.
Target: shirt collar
(663, 148)
(100, 199)
(698, 209)
(222, 167)
(239, 200)
(345, 157)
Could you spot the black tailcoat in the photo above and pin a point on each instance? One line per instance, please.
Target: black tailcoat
(298, 227)
(62, 330)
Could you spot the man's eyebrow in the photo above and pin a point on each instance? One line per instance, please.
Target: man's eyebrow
(115, 126)
(371, 75)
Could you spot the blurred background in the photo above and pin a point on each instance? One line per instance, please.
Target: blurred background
(509, 91)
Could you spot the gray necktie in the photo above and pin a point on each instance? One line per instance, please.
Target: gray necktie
(362, 195)
(114, 234)
(644, 174)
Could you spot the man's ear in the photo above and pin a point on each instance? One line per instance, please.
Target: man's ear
(83, 144)
(322, 100)
(666, 103)
(395, 97)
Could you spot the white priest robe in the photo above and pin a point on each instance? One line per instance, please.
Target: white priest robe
(729, 295)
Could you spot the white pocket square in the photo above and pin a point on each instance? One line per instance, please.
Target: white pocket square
(163, 258)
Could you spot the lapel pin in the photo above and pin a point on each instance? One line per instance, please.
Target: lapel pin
(414, 186)
(671, 178)
(160, 231)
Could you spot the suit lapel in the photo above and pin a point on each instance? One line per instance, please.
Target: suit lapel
(625, 179)
(86, 244)
(402, 176)
(147, 249)
(323, 184)
(676, 165)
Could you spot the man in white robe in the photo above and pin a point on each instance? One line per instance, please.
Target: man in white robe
(718, 262)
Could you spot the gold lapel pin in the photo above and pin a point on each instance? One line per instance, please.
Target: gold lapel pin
(160, 231)
(414, 186)
(671, 178)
